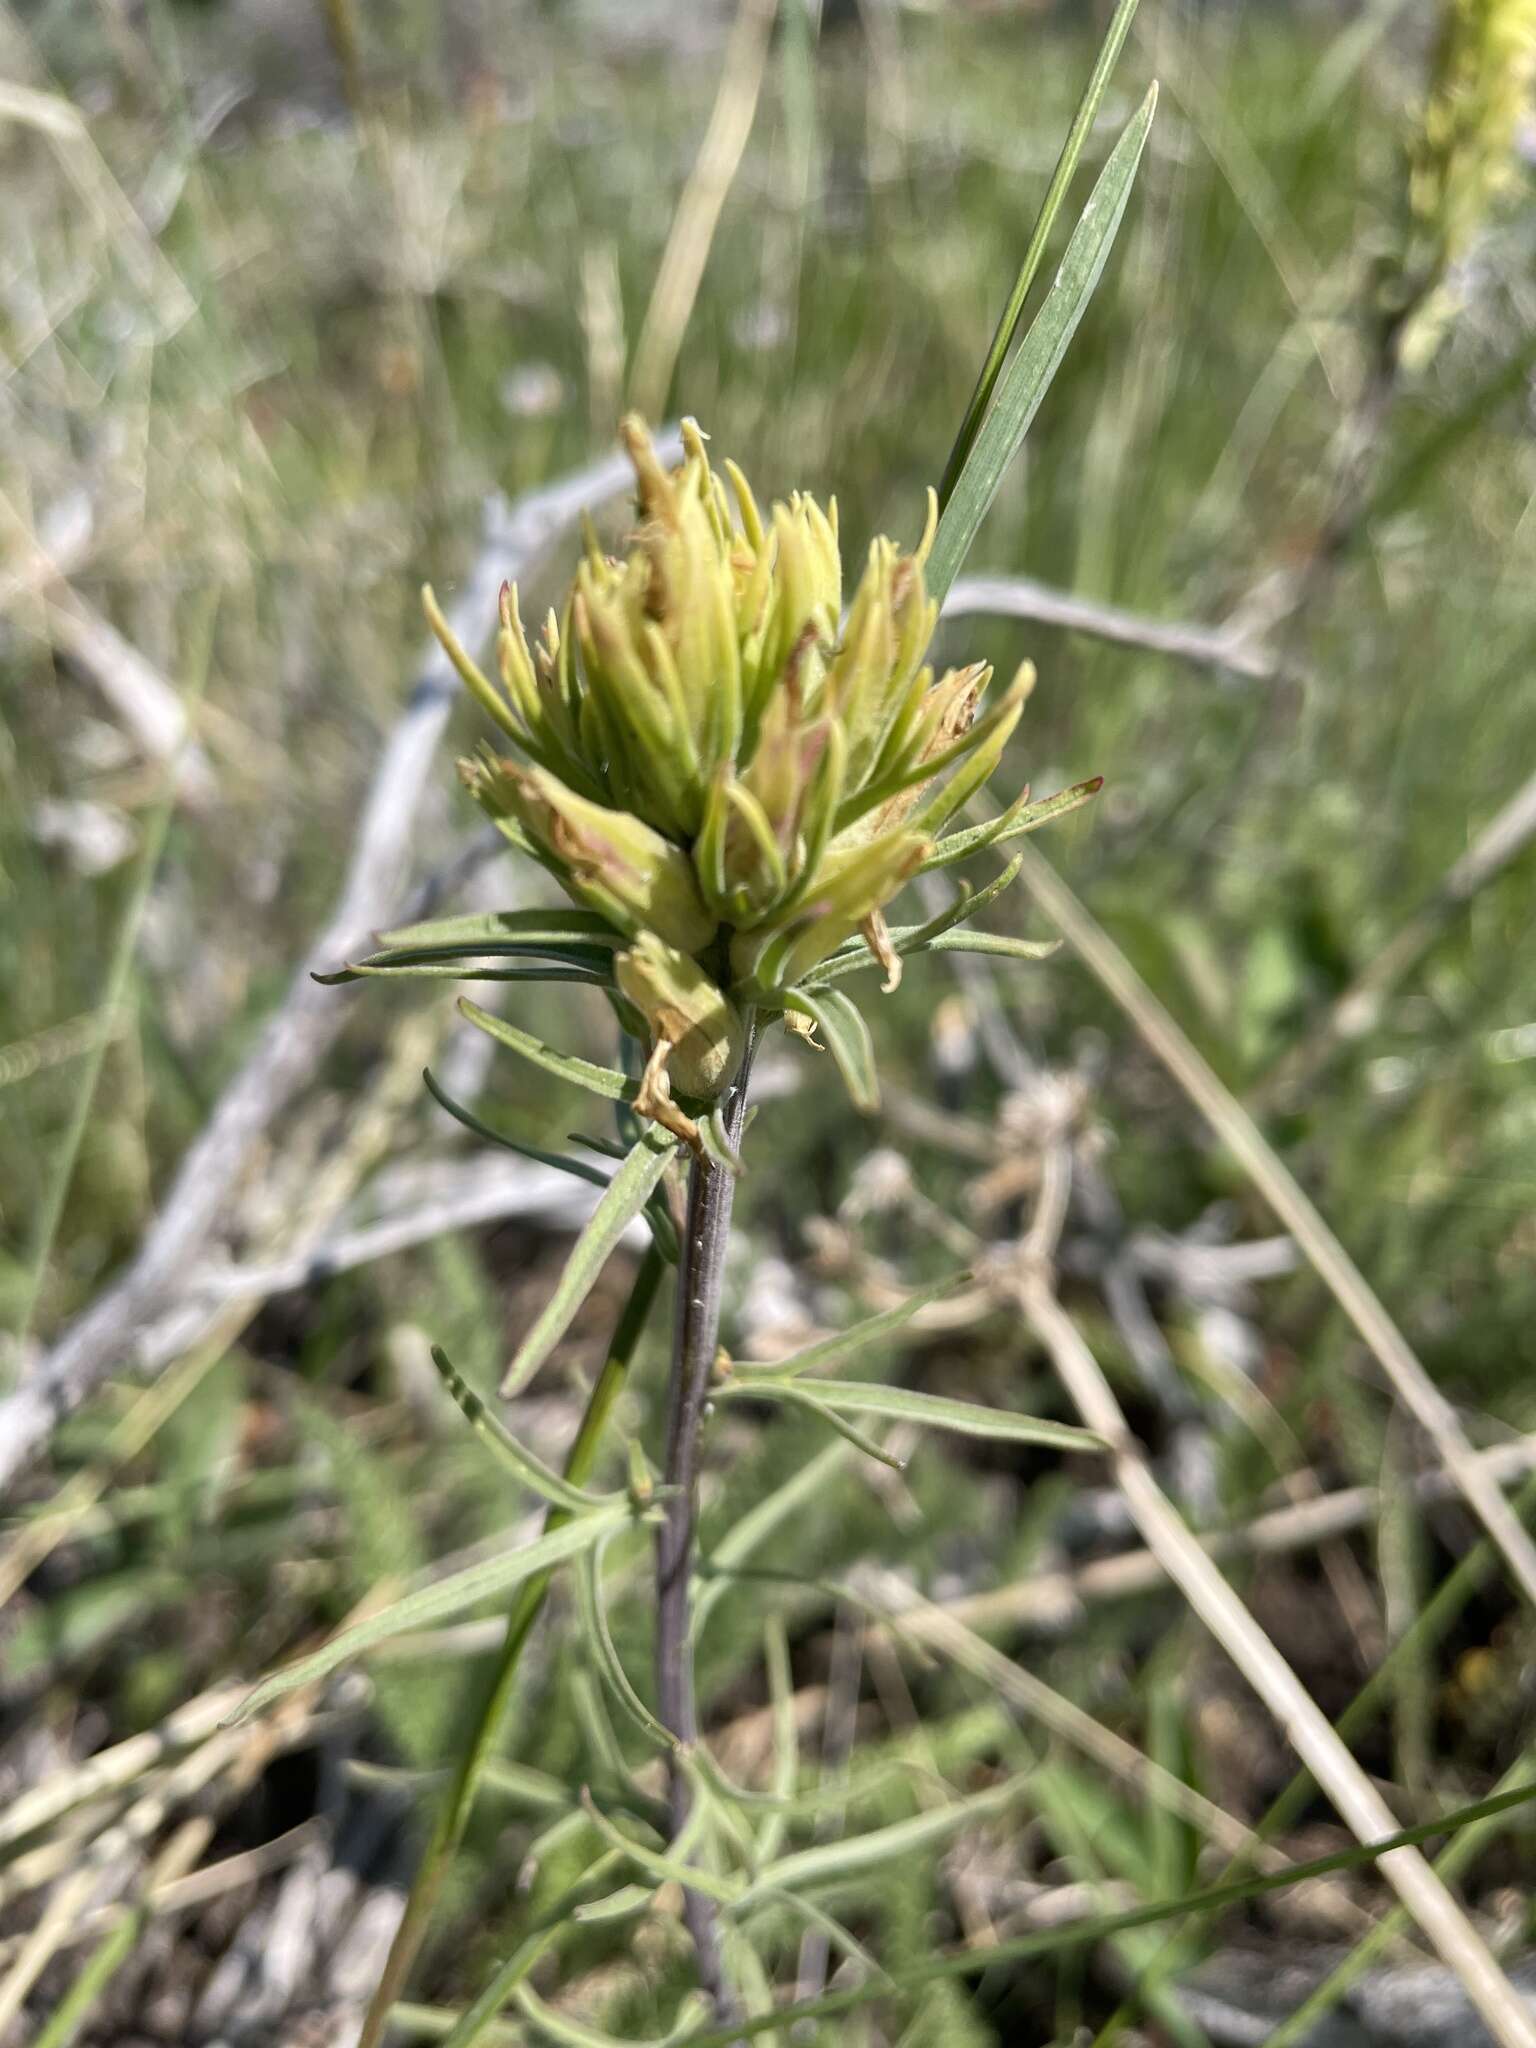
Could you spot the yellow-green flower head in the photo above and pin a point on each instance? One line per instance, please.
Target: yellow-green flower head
(710, 756)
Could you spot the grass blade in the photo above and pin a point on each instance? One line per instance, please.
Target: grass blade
(625, 1196)
(605, 1081)
(493, 1432)
(1027, 378)
(436, 1603)
(844, 1345)
(933, 1411)
(1040, 234)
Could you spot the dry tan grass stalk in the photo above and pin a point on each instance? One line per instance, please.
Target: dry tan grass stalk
(698, 209)
(1333, 1265)
(1192, 1570)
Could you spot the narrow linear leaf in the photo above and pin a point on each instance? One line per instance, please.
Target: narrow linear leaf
(450, 1595)
(1040, 234)
(935, 1411)
(593, 1175)
(493, 1432)
(802, 1397)
(605, 1081)
(996, 943)
(832, 1350)
(846, 1036)
(623, 1904)
(1013, 824)
(831, 1862)
(430, 970)
(482, 931)
(625, 1196)
(559, 2026)
(594, 1614)
(669, 1868)
(1024, 383)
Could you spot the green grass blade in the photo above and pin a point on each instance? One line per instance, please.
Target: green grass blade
(1028, 377)
(432, 1604)
(493, 1432)
(593, 1175)
(610, 1664)
(1013, 824)
(803, 1397)
(624, 1198)
(832, 1350)
(605, 1081)
(831, 1862)
(1040, 234)
(933, 1411)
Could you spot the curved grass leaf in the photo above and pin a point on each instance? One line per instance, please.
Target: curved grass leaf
(933, 1411)
(428, 970)
(831, 1862)
(594, 1614)
(1024, 383)
(1018, 819)
(605, 1081)
(577, 1167)
(995, 943)
(493, 1432)
(846, 1036)
(1040, 234)
(625, 1196)
(829, 1350)
(671, 1867)
(431, 1604)
(802, 1397)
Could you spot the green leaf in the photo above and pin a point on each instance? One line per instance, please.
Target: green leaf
(996, 943)
(427, 970)
(575, 938)
(798, 1493)
(1018, 819)
(846, 1036)
(578, 1167)
(831, 1862)
(432, 1604)
(934, 1411)
(803, 1397)
(483, 931)
(625, 1196)
(1027, 378)
(605, 1081)
(1050, 206)
(531, 1470)
(594, 1614)
(829, 1350)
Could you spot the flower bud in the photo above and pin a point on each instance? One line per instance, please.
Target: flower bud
(684, 1009)
(607, 860)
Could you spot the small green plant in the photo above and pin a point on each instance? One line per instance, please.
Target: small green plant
(731, 778)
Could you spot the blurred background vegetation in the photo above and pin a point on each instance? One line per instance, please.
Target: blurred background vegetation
(286, 293)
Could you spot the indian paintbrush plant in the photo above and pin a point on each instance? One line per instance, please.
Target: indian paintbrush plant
(732, 765)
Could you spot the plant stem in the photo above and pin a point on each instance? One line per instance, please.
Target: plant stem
(453, 1817)
(696, 1333)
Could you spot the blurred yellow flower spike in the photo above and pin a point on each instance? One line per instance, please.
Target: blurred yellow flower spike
(716, 762)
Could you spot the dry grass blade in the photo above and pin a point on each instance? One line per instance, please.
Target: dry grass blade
(1190, 1567)
(699, 208)
(1333, 1265)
